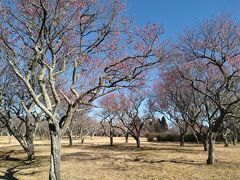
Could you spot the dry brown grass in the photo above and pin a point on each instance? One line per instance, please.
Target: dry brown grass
(96, 160)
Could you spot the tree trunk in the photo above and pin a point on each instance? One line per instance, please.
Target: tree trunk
(9, 138)
(211, 149)
(225, 139)
(111, 136)
(204, 140)
(54, 172)
(111, 140)
(30, 152)
(138, 141)
(205, 144)
(196, 138)
(30, 148)
(70, 138)
(182, 139)
(26, 141)
(92, 135)
(40, 136)
(234, 139)
(225, 142)
(81, 136)
(126, 138)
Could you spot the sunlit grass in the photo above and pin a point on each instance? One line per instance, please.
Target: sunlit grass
(97, 160)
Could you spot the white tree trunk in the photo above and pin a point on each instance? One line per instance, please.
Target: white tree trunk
(55, 158)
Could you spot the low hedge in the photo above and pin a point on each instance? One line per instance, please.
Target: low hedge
(175, 136)
(151, 136)
(169, 136)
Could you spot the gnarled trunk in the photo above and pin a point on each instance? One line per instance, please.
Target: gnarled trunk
(137, 138)
(126, 137)
(30, 150)
(211, 148)
(9, 138)
(225, 142)
(111, 136)
(26, 141)
(70, 138)
(40, 136)
(111, 140)
(196, 137)
(55, 158)
(92, 135)
(205, 144)
(182, 139)
(204, 141)
(81, 135)
(234, 139)
(30, 154)
(225, 139)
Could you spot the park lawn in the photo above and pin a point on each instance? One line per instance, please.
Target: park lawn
(95, 159)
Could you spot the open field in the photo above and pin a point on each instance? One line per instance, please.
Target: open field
(96, 160)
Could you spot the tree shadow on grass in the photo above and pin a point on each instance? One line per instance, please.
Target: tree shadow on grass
(9, 173)
(131, 148)
(85, 156)
(119, 147)
(6, 156)
(108, 157)
(16, 165)
(176, 161)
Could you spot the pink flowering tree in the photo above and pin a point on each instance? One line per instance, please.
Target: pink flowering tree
(109, 114)
(211, 51)
(130, 115)
(88, 44)
(124, 112)
(18, 112)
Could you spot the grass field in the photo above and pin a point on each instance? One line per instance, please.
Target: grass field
(97, 160)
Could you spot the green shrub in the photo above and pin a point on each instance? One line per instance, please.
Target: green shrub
(189, 138)
(171, 136)
(167, 137)
(151, 136)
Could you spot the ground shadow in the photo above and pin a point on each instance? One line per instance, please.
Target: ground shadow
(17, 165)
(162, 143)
(82, 156)
(6, 156)
(131, 148)
(107, 156)
(9, 173)
(191, 162)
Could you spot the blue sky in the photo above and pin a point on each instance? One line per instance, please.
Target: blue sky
(176, 15)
